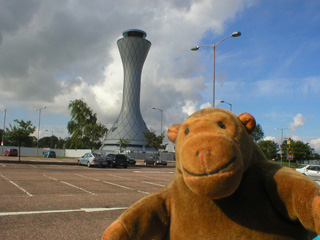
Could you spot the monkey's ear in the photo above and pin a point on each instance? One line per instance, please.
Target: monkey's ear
(248, 121)
(173, 132)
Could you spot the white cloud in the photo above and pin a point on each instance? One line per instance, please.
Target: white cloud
(270, 87)
(315, 144)
(311, 85)
(189, 107)
(52, 53)
(298, 121)
(205, 105)
(270, 138)
(297, 138)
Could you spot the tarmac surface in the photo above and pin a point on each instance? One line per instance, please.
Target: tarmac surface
(44, 198)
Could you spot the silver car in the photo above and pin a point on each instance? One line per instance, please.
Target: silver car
(92, 159)
(312, 171)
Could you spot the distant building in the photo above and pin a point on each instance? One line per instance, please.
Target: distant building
(133, 48)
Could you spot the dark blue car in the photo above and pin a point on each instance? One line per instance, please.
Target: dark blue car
(49, 154)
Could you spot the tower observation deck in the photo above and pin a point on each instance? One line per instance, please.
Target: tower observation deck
(133, 48)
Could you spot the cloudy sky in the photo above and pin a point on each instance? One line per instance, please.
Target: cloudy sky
(52, 52)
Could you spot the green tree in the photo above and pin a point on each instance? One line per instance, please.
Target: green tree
(123, 143)
(316, 156)
(84, 130)
(257, 133)
(20, 133)
(54, 142)
(154, 141)
(64, 143)
(269, 148)
(302, 151)
(48, 142)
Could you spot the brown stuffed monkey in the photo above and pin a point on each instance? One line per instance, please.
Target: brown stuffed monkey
(223, 188)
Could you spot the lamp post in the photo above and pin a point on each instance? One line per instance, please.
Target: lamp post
(39, 109)
(228, 104)
(161, 118)
(281, 141)
(4, 128)
(51, 135)
(234, 34)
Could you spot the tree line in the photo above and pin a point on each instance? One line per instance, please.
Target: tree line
(272, 150)
(84, 131)
(20, 133)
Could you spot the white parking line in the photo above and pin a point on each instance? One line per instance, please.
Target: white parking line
(95, 179)
(102, 209)
(118, 185)
(63, 211)
(161, 179)
(152, 172)
(114, 184)
(119, 177)
(156, 184)
(22, 189)
(147, 193)
(69, 184)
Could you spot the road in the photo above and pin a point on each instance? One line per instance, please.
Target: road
(57, 199)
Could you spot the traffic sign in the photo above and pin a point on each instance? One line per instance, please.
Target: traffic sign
(290, 153)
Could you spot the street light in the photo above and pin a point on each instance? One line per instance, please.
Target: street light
(4, 128)
(228, 104)
(161, 117)
(234, 34)
(51, 135)
(281, 141)
(39, 109)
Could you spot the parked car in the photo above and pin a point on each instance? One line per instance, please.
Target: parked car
(131, 160)
(49, 154)
(312, 171)
(92, 159)
(114, 160)
(11, 152)
(154, 160)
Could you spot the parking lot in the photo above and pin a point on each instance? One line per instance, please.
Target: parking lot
(57, 199)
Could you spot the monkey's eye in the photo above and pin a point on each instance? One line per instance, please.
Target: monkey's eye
(186, 131)
(221, 125)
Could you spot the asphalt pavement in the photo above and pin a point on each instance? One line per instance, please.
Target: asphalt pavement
(57, 199)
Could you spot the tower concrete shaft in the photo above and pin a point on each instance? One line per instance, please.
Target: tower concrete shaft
(133, 48)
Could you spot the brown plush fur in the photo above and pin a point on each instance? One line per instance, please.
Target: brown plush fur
(223, 188)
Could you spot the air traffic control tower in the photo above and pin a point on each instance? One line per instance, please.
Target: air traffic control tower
(130, 125)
